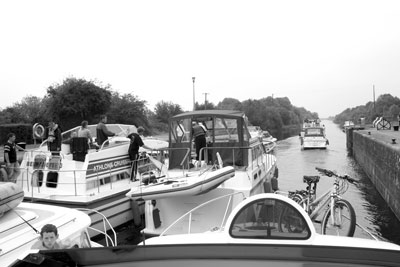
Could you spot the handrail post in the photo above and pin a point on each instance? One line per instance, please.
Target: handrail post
(76, 192)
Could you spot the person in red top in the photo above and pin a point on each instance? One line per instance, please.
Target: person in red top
(10, 157)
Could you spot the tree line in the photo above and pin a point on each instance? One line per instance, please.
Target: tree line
(386, 105)
(75, 100)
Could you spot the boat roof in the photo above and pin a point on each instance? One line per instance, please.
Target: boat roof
(210, 112)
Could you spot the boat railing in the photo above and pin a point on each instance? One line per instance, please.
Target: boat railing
(190, 212)
(101, 183)
(259, 159)
(106, 225)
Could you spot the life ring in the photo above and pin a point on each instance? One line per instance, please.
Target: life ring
(38, 131)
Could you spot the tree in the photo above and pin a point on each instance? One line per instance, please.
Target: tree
(165, 110)
(230, 104)
(75, 100)
(128, 109)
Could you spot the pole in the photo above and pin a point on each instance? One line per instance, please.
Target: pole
(205, 100)
(194, 105)
(373, 88)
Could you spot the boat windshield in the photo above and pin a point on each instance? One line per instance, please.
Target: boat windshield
(269, 219)
(314, 131)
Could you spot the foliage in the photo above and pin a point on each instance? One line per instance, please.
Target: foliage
(386, 105)
(165, 110)
(75, 100)
(128, 109)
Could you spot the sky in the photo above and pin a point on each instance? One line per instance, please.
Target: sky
(325, 56)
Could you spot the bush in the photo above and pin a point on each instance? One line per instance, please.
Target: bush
(23, 132)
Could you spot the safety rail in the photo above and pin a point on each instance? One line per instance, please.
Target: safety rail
(255, 162)
(190, 212)
(106, 223)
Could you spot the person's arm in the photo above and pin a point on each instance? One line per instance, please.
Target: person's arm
(106, 131)
(20, 148)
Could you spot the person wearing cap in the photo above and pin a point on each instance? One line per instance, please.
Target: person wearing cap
(133, 150)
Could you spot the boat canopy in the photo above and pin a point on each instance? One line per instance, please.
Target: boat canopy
(227, 134)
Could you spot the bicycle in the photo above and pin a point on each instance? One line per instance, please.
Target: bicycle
(339, 217)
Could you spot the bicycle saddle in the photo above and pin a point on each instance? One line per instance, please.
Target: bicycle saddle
(310, 179)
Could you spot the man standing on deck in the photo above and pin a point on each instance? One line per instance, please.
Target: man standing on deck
(101, 131)
(199, 135)
(136, 143)
(10, 157)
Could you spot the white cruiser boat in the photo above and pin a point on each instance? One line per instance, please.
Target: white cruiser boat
(233, 161)
(263, 230)
(92, 179)
(20, 221)
(314, 137)
(268, 141)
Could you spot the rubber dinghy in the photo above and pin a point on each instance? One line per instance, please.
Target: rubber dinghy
(10, 196)
(192, 183)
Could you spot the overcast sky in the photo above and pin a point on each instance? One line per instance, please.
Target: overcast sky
(324, 56)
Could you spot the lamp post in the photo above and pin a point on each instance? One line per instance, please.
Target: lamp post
(194, 105)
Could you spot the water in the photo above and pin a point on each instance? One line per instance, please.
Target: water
(371, 210)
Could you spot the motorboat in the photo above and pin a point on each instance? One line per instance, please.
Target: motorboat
(21, 222)
(314, 137)
(268, 141)
(348, 125)
(262, 230)
(95, 179)
(232, 161)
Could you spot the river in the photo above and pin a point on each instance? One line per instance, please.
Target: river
(371, 210)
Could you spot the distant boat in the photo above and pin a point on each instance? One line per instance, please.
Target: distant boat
(314, 137)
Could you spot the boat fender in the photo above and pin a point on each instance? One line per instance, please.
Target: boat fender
(274, 184)
(136, 213)
(276, 172)
(267, 187)
(38, 131)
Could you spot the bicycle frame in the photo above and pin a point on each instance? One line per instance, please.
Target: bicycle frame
(314, 207)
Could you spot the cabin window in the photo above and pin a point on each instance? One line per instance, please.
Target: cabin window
(269, 219)
(181, 131)
(52, 179)
(37, 178)
(226, 130)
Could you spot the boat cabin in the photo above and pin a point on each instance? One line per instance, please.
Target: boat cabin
(227, 134)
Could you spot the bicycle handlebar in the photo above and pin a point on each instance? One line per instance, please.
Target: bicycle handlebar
(331, 173)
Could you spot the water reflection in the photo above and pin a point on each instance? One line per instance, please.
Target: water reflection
(371, 210)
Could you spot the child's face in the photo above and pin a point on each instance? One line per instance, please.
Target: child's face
(49, 239)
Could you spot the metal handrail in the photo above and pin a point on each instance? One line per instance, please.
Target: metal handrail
(106, 223)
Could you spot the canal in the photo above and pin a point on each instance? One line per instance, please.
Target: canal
(371, 210)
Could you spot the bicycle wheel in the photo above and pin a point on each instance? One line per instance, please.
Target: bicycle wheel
(344, 219)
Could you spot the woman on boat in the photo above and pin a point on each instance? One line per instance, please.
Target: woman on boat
(85, 132)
